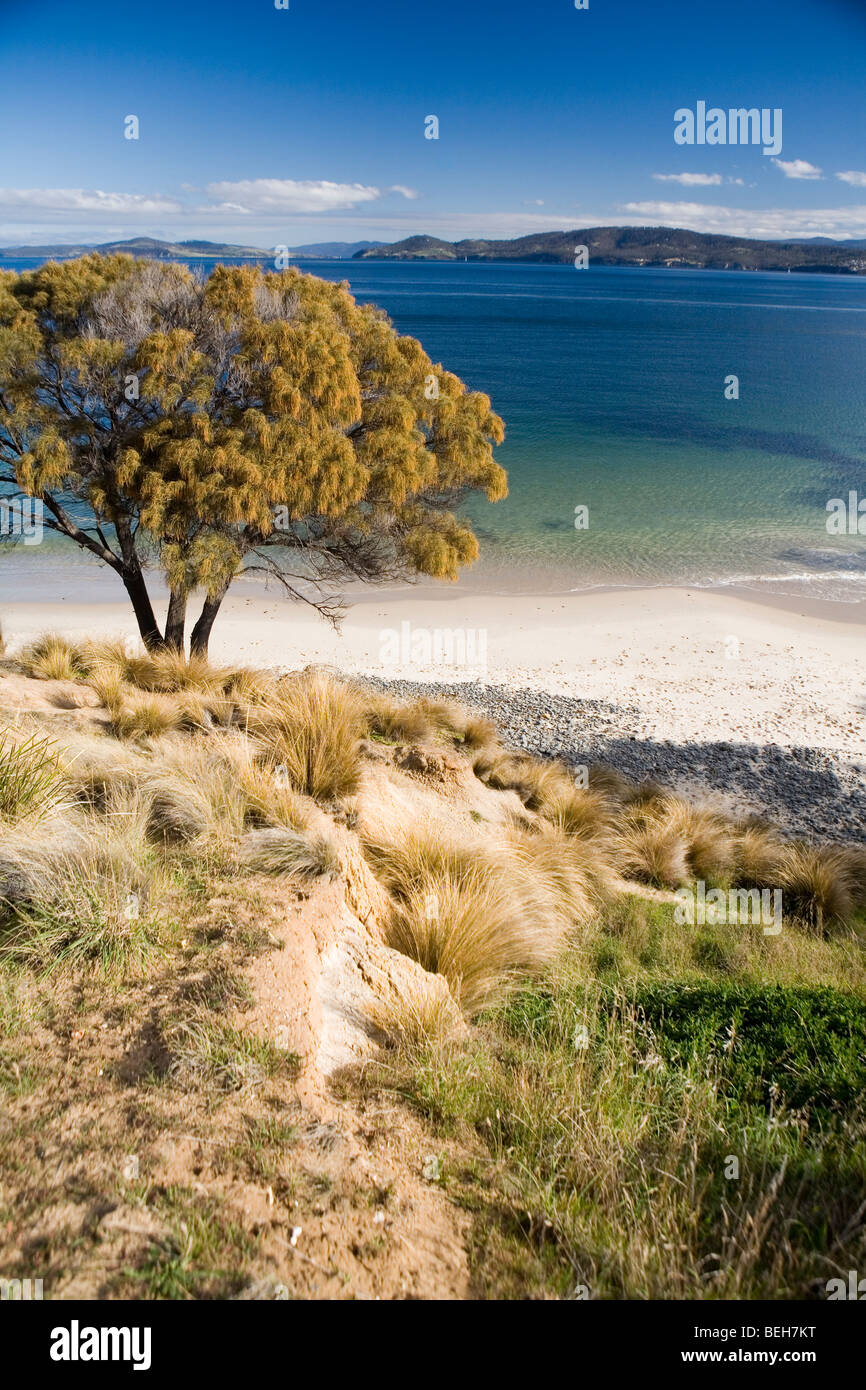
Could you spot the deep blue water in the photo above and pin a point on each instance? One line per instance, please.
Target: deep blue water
(611, 383)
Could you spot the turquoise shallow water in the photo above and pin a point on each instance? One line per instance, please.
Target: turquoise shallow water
(611, 384)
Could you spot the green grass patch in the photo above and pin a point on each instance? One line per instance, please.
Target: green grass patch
(664, 1141)
(203, 1256)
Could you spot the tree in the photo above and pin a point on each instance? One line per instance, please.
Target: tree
(248, 422)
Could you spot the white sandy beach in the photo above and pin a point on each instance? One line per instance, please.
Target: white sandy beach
(698, 665)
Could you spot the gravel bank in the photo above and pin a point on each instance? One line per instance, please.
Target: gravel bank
(808, 791)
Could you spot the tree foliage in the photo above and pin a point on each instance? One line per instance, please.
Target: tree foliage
(250, 421)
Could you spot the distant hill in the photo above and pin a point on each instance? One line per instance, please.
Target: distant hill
(826, 241)
(139, 246)
(334, 250)
(650, 246)
(188, 250)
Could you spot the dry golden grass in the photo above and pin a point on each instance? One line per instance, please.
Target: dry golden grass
(84, 893)
(168, 672)
(414, 1018)
(667, 841)
(53, 657)
(311, 725)
(758, 853)
(396, 720)
(146, 717)
(819, 884)
(288, 853)
(582, 812)
(710, 845)
(481, 917)
(97, 768)
(652, 851)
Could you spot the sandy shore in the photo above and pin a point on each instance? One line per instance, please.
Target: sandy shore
(693, 665)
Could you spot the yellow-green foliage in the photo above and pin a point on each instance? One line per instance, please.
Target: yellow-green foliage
(327, 433)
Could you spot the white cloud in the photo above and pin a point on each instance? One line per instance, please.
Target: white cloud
(754, 222)
(798, 169)
(401, 188)
(286, 196)
(261, 211)
(688, 180)
(65, 200)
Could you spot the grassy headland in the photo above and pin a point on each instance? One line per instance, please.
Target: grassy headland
(285, 959)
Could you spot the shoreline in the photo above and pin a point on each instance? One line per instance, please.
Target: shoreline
(722, 663)
(759, 706)
(89, 580)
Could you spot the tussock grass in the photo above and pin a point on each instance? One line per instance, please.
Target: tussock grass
(534, 781)
(86, 896)
(311, 725)
(53, 657)
(415, 1018)
(397, 721)
(654, 852)
(583, 813)
(758, 854)
(666, 841)
(710, 844)
(466, 727)
(169, 672)
(98, 770)
(288, 853)
(480, 918)
(32, 783)
(426, 719)
(210, 791)
(820, 884)
(147, 717)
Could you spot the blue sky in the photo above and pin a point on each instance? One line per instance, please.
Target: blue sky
(274, 127)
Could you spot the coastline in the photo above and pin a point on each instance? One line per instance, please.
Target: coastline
(726, 664)
(706, 691)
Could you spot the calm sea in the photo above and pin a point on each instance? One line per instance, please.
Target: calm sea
(612, 386)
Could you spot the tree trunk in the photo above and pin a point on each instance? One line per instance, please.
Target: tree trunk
(198, 642)
(175, 622)
(133, 582)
